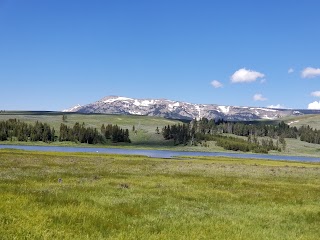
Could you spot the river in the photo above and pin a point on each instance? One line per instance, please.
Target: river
(159, 153)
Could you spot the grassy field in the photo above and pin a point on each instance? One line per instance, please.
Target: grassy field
(90, 196)
(145, 126)
(304, 120)
(144, 123)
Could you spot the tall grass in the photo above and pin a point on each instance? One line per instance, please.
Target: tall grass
(91, 196)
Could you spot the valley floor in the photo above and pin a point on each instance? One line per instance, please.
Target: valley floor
(294, 147)
(86, 196)
(145, 137)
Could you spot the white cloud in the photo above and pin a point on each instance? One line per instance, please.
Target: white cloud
(315, 94)
(259, 97)
(216, 84)
(244, 75)
(276, 106)
(290, 70)
(314, 105)
(310, 72)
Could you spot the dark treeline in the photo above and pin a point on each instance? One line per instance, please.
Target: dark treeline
(309, 135)
(80, 133)
(238, 144)
(197, 131)
(190, 134)
(14, 129)
(276, 131)
(180, 133)
(206, 126)
(115, 133)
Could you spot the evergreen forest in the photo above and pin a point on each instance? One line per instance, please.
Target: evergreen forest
(260, 137)
(16, 130)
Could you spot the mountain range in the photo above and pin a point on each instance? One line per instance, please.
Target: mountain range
(183, 110)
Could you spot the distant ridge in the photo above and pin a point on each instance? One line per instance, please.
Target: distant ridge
(183, 110)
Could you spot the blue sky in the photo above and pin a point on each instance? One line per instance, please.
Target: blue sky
(55, 54)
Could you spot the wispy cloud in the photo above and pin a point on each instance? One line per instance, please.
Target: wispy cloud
(314, 105)
(276, 106)
(315, 94)
(310, 72)
(216, 84)
(290, 70)
(243, 75)
(259, 97)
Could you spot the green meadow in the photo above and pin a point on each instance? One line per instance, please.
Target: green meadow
(143, 136)
(313, 120)
(93, 196)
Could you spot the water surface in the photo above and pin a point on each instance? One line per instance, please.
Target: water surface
(160, 153)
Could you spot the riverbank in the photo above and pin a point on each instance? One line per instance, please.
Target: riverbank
(81, 195)
(295, 148)
(159, 153)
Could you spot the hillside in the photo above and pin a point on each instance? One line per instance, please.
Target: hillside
(145, 126)
(312, 120)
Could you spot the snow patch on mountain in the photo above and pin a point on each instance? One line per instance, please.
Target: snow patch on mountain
(224, 109)
(199, 112)
(135, 113)
(173, 106)
(293, 122)
(147, 103)
(297, 113)
(267, 117)
(264, 109)
(111, 100)
(73, 109)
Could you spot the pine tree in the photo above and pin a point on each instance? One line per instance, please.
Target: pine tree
(64, 118)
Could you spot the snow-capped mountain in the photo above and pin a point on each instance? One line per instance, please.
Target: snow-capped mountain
(73, 109)
(180, 110)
